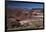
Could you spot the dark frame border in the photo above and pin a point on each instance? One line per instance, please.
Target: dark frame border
(23, 2)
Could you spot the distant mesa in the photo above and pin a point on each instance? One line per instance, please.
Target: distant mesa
(25, 9)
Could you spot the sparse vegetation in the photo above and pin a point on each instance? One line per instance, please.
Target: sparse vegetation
(14, 17)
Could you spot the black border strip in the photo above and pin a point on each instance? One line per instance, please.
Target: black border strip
(22, 2)
(26, 2)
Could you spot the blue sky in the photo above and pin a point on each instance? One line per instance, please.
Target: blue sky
(23, 5)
